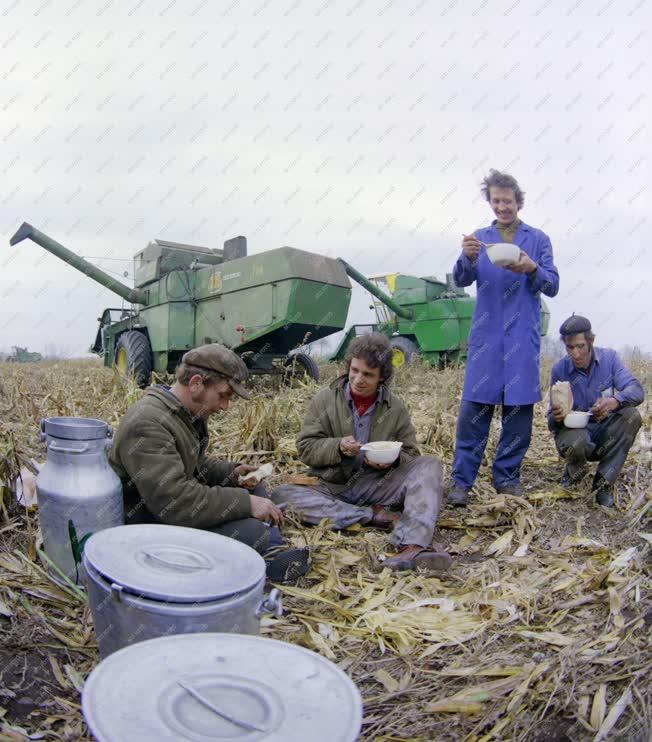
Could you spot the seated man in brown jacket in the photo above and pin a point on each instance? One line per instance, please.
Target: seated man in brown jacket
(159, 455)
(356, 409)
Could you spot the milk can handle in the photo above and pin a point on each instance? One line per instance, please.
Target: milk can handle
(63, 449)
(273, 604)
(109, 433)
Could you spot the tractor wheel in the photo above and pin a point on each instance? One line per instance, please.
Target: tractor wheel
(133, 355)
(403, 351)
(300, 365)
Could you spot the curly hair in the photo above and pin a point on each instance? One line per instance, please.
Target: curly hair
(502, 180)
(375, 350)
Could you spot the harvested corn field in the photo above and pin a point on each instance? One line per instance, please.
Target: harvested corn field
(540, 631)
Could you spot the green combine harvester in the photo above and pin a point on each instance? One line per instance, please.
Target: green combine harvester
(422, 317)
(263, 306)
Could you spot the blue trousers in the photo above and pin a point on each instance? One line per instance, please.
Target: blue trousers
(471, 439)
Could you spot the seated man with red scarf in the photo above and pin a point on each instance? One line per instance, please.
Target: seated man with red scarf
(404, 497)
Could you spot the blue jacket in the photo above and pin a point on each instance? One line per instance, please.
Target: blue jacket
(605, 377)
(505, 338)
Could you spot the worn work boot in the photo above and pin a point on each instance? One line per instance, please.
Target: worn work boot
(572, 476)
(458, 496)
(604, 492)
(509, 489)
(411, 556)
(286, 564)
(384, 519)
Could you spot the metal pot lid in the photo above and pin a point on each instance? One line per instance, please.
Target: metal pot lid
(75, 428)
(174, 564)
(207, 687)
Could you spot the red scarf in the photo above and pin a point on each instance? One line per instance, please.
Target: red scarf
(362, 404)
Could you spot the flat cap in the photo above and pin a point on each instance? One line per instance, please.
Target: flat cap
(574, 325)
(218, 358)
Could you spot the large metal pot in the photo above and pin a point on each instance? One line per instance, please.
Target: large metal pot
(220, 687)
(78, 492)
(152, 580)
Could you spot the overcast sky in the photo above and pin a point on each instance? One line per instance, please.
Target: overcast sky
(345, 127)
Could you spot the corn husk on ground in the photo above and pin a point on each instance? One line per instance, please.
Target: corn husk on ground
(540, 631)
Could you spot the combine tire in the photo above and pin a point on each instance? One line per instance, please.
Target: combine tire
(300, 366)
(133, 355)
(404, 350)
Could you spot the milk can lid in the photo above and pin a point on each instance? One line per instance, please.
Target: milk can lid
(75, 428)
(212, 686)
(173, 563)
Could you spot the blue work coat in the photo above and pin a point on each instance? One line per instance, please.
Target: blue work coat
(505, 338)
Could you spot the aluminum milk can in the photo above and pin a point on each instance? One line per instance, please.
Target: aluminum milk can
(78, 492)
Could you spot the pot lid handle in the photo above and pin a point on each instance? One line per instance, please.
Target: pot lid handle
(174, 565)
(209, 705)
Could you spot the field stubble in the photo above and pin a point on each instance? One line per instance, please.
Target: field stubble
(540, 631)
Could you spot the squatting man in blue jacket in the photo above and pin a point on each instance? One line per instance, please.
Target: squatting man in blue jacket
(602, 385)
(503, 347)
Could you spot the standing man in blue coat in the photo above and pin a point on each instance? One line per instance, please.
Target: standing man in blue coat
(503, 355)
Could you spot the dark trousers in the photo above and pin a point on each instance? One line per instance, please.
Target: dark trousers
(607, 441)
(471, 440)
(250, 531)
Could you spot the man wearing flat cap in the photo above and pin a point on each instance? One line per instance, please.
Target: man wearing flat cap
(159, 455)
(601, 385)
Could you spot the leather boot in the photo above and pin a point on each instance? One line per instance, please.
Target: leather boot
(604, 492)
(509, 489)
(572, 475)
(458, 496)
(412, 556)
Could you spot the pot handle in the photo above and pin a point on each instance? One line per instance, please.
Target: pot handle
(273, 604)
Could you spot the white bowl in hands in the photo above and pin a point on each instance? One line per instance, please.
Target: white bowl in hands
(382, 452)
(503, 253)
(577, 419)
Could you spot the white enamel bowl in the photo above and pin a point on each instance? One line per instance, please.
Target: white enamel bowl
(503, 253)
(382, 452)
(577, 419)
